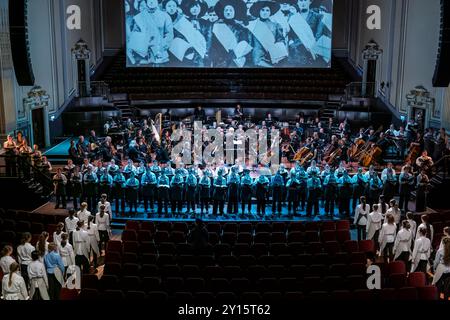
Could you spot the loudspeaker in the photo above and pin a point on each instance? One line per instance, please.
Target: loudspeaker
(18, 29)
(441, 76)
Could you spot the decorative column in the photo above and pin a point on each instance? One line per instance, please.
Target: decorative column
(36, 99)
(371, 54)
(81, 56)
(421, 107)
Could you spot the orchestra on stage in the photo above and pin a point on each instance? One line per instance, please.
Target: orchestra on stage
(323, 165)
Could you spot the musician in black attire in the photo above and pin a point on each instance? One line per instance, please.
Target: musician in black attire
(59, 182)
(176, 192)
(89, 188)
(74, 154)
(233, 191)
(372, 137)
(10, 156)
(331, 190)
(261, 190)
(133, 152)
(83, 150)
(68, 172)
(77, 189)
(277, 185)
(406, 181)
(314, 188)
(246, 191)
(199, 114)
(421, 193)
(238, 114)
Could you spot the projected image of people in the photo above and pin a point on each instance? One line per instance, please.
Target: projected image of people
(229, 33)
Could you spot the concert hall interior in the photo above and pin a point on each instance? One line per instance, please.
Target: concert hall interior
(174, 150)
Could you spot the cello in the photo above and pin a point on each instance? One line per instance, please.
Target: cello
(413, 153)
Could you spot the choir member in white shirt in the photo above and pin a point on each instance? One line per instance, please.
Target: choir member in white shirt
(94, 238)
(442, 266)
(387, 238)
(13, 284)
(58, 233)
(104, 227)
(413, 224)
(66, 252)
(421, 252)
(402, 246)
(446, 234)
(427, 226)
(24, 251)
(83, 215)
(6, 260)
(361, 213)
(374, 225)
(104, 201)
(42, 244)
(38, 278)
(395, 211)
(81, 248)
(382, 206)
(71, 224)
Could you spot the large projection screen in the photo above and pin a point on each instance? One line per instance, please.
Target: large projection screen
(229, 33)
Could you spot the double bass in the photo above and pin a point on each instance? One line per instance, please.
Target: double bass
(301, 153)
(413, 153)
(370, 156)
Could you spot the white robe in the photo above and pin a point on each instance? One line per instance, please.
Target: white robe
(439, 267)
(83, 216)
(413, 228)
(38, 279)
(422, 251)
(67, 255)
(17, 290)
(424, 226)
(5, 263)
(363, 212)
(71, 224)
(57, 238)
(24, 253)
(395, 213)
(107, 207)
(103, 223)
(387, 235)
(374, 220)
(81, 243)
(94, 238)
(402, 242)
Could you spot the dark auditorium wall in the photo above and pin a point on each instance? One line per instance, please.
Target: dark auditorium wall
(341, 13)
(113, 26)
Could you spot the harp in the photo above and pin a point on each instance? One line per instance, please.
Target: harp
(157, 127)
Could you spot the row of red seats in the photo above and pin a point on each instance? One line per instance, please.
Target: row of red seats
(240, 227)
(404, 294)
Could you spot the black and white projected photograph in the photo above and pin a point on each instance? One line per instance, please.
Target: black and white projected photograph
(229, 33)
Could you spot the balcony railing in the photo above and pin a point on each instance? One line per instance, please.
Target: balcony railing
(360, 90)
(98, 89)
